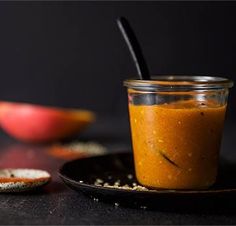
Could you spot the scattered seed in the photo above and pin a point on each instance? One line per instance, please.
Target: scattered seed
(98, 182)
(130, 176)
(117, 183)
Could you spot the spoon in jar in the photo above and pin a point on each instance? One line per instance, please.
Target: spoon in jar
(138, 58)
(134, 48)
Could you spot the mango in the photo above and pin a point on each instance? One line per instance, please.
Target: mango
(39, 124)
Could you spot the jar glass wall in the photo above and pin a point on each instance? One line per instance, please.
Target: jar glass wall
(176, 129)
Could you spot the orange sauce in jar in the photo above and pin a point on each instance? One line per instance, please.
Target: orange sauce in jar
(176, 146)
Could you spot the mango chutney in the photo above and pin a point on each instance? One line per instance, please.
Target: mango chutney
(176, 145)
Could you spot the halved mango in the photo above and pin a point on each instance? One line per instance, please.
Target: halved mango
(36, 123)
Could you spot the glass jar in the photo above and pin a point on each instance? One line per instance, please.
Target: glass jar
(176, 129)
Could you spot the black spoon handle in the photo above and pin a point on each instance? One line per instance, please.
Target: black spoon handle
(134, 48)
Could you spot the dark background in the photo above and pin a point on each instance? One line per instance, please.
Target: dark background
(71, 54)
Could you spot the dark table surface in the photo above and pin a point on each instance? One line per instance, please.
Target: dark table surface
(57, 204)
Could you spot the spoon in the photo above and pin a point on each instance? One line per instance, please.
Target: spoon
(139, 61)
(134, 48)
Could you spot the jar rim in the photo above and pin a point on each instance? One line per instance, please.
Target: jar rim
(179, 83)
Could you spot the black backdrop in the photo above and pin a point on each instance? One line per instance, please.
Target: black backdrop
(71, 54)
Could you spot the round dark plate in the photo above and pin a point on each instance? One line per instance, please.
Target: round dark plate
(81, 174)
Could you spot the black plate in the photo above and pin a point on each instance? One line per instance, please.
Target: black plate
(81, 174)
